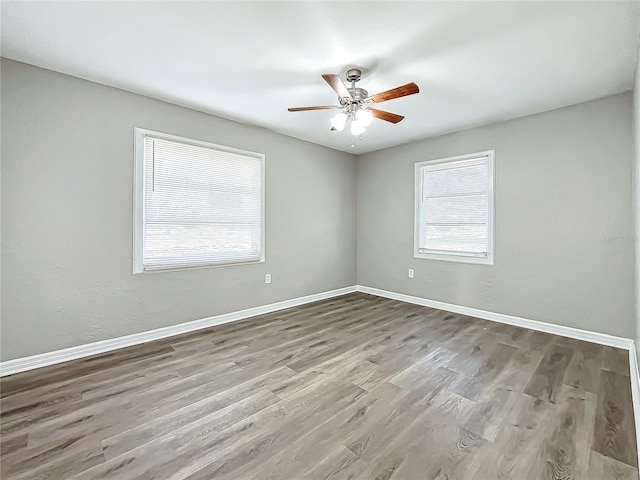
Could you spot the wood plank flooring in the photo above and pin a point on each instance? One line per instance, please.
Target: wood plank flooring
(355, 387)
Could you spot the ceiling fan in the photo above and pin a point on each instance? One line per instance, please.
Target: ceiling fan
(355, 102)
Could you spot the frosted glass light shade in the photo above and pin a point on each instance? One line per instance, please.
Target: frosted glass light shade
(338, 121)
(365, 117)
(357, 127)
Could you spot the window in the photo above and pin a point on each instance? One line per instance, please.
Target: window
(196, 204)
(454, 209)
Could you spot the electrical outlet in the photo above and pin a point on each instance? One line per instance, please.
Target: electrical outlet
(267, 278)
(411, 273)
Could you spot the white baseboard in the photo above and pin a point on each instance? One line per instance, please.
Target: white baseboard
(58, 356)
(635, 391)
(586, 335)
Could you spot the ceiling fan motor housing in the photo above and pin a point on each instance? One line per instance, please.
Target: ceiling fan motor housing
(358, 94)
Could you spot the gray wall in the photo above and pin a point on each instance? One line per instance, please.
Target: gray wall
(563, 219)
(67, 163)
(563, 204)
(636, 196)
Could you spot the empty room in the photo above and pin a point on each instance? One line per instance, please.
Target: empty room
(319, 240)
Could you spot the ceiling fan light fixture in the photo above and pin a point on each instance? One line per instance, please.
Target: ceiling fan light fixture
(353, 103)
(364, 117)
(339, 120)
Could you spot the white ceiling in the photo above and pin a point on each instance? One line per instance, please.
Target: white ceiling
(475, 62)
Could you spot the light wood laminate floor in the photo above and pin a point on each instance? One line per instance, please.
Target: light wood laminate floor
(356, 387)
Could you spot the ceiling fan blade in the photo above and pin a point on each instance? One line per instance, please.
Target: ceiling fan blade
(403, 91)
(338, 85)
(319, 107)
(387, 116)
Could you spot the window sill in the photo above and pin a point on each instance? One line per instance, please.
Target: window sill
(455, 258)
(139, 270)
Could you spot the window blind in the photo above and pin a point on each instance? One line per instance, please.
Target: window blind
(454, 208)
(202, 205)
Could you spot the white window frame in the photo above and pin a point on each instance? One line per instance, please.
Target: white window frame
(138, 203)
(452, 257)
